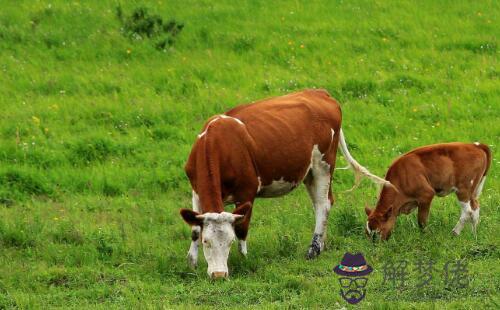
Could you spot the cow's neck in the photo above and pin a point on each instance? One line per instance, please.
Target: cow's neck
(208, 179)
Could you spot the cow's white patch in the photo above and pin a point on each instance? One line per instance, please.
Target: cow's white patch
(277, 188)
(259, 186)
(333, 134)
(230, 117)
(465, 215)
(476, 143)
(205, 131)
(217, 118)
(218, 234)
(479, 188)
(192, 255)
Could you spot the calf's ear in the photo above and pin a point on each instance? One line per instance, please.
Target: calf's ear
(241, 212)
(191, 217)
(368, 211)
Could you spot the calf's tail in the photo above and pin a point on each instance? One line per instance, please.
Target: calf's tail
(487, 151)
(359, 171)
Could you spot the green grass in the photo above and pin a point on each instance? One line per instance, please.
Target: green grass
(95, 129)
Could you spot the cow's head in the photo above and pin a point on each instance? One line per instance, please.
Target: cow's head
(379, 223)
(217, 235)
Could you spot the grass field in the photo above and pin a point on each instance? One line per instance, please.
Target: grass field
(96, 125)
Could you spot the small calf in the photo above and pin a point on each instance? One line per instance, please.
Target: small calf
(419, 175)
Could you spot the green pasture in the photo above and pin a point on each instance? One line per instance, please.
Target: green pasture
(98, 112)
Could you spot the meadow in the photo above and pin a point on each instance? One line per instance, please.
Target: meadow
(99, 109)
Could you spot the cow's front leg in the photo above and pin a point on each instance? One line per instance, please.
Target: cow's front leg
(241, 230)
(242, 247)
(318, 186)
(192, 255)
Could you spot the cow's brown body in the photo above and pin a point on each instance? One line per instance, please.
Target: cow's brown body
(265, 149)
(235, 163)
(275, 143)
(421, 174)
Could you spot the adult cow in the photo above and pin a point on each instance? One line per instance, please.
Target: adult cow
(262, 149)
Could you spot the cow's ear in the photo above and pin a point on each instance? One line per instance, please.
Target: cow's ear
(191, 217)
(242, 211)
(368, 211)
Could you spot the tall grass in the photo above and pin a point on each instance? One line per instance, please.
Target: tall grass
(96, 124)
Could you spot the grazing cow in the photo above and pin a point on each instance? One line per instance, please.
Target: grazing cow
(416, 177)
(262, 149)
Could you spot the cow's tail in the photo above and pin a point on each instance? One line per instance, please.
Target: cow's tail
(359, 171)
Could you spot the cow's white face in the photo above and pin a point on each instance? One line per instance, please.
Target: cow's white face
(217, 237)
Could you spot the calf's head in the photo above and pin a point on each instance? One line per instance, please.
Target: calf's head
(217, 235)
(379, 223)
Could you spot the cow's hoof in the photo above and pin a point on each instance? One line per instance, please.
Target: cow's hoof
(313, 252)
(315, 247)
(455, 232)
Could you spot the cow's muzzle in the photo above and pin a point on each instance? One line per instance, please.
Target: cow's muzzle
(218, 275)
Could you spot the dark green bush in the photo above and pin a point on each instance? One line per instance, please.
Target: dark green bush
(142, 25)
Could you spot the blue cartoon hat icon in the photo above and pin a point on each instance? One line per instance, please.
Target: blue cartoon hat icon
(353, 265)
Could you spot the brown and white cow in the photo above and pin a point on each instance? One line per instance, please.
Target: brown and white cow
(262, 149)
(417, 176)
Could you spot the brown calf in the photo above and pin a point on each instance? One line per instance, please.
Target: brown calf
(262, 149)
(419, 175)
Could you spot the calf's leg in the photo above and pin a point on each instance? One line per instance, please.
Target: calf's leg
(424, 205)
(465, 215)
(475, 215)
(475, 204)
(467, 195)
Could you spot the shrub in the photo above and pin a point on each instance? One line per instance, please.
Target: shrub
(141, 25)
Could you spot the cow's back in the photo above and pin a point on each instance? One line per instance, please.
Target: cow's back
(285, 130)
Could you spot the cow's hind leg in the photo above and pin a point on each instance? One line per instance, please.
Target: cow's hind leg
(192, 255)
(317, 183)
